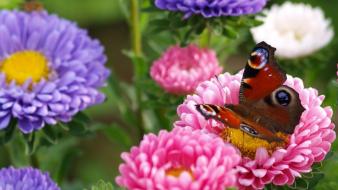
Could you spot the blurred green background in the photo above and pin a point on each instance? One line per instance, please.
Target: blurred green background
(97, 157)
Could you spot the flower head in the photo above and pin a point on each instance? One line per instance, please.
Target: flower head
(180, 159)
(25, 178)
(180, 70)
(212, 8)
(296, 30)
(49, 69)
(263, 162)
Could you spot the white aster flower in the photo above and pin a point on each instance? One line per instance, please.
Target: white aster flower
(296, 30)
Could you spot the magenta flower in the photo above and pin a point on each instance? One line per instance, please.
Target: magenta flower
(271, 163)
(180, 70)
(181, 159)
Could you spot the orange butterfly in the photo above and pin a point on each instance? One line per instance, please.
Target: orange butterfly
(266, 106)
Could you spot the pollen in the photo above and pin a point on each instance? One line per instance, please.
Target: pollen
(248, 144)
(176, 172)
(24, 65)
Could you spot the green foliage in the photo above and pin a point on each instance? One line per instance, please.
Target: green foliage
(10, 4)
(117, 134)
(86, 12)
(59, 158)
(185, 30)
(7, 134)
(101, 185)
(332, 94)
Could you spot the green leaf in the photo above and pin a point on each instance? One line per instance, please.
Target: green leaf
(16, 148)
(101, 185)
(230, 32)
(151, 9)
(62, 126)
(231, 188)
(177, 23)
(7, 134)
(160, 23)
(82, 117)
(119, 135)
(200, 28)
(255, 22)
(79, 125)
(300, 184)
(123, 95)
(49, 134)
(77, 128)
(315, 180)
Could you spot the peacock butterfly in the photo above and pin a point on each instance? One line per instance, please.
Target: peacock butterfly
(266, 106)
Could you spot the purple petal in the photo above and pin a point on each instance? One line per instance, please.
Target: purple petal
(28, 126)
(25, 126)
(4, 121)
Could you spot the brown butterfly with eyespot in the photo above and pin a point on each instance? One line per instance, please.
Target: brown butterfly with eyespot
(266, 106)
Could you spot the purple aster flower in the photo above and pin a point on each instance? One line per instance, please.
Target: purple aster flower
(212, 8)
(25, 179)
(49, 70)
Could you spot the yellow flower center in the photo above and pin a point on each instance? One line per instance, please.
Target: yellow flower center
(176, 172)
(248, 144)
(24, 65)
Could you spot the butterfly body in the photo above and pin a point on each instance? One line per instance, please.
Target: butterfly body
(265, 106)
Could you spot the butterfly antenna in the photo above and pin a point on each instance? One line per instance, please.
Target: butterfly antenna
(220, 86)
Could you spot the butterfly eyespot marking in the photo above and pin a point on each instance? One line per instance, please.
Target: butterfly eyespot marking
(283, 97)
(249, 130)
(206, 110)
(258, 58)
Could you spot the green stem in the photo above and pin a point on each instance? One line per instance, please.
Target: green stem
(137, 50)
(135, 27)
(34, 161)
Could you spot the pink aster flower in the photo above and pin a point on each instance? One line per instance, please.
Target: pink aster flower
(309, 143)
(180, 70)
(183, 159)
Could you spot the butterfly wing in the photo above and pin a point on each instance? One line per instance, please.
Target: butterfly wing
(220, 113)
(237, 116)
(280, 111)
(261, 75)
(262, 91)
